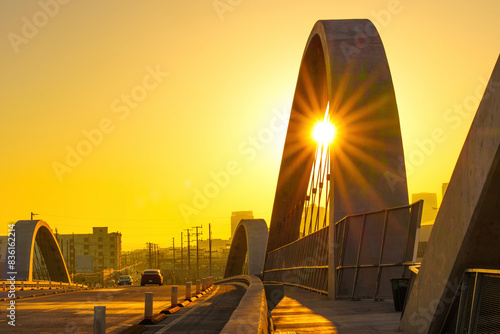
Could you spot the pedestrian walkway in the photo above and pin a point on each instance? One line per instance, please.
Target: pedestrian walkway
(302, 311)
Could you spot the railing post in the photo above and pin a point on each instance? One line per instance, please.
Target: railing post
(148, 306)
(173, 296)
(22, 286)
(188, 290)
(37, 285)
(198, 286)
(99, 319)
(50, 284)
(3, 286)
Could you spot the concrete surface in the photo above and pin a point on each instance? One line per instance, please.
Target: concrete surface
(349, 72)
(26, 231)
(303, 311)
(251, 316)
(74, 312)
(250, 237)
(466, 232)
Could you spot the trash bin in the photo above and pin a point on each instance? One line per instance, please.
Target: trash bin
(399, 289)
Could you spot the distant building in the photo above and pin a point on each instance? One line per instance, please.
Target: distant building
(84, 264)
(429, 213)
(87, 253)
(425, 233)
(218, 246)
(236, 216)
(430, 209)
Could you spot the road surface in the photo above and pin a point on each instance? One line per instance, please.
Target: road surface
(74, 312)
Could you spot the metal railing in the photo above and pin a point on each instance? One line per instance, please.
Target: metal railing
(476, 305)
(371, 248)
(302, 263)
(32, 285)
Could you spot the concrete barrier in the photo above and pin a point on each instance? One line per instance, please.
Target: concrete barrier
(198, 286)
(99, 319)
(173, 296)
(148, 306)
(251, 315)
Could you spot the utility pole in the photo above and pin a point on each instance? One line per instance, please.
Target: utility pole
(33, 214)
(158, 256)
(72, 261)
(182, 255)
(210, 248)
(197, 250)
(173, 250)
(189, 254)
(149, 249)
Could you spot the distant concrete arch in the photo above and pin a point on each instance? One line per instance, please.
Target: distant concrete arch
(344, 65)
(250, 238)
(31, 233)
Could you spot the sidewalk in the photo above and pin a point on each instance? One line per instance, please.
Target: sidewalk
(302, 311)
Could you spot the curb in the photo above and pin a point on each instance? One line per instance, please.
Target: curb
(171, 310)
(154, 320)
(49, 292)
(184, 303)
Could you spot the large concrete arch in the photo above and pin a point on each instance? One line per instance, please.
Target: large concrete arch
(250, 238)
(467, 228)
(29, 232)
(344, 65)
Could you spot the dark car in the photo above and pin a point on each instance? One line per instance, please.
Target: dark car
(125, 280)
(151, 276)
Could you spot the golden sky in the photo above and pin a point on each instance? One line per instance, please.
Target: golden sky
(121, 114)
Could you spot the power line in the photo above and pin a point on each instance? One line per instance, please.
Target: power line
(134, 220)
(109, 219)
(125, 219)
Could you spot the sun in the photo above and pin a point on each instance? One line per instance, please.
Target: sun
(324, 132)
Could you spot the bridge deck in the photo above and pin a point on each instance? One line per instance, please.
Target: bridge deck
(303, 311)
